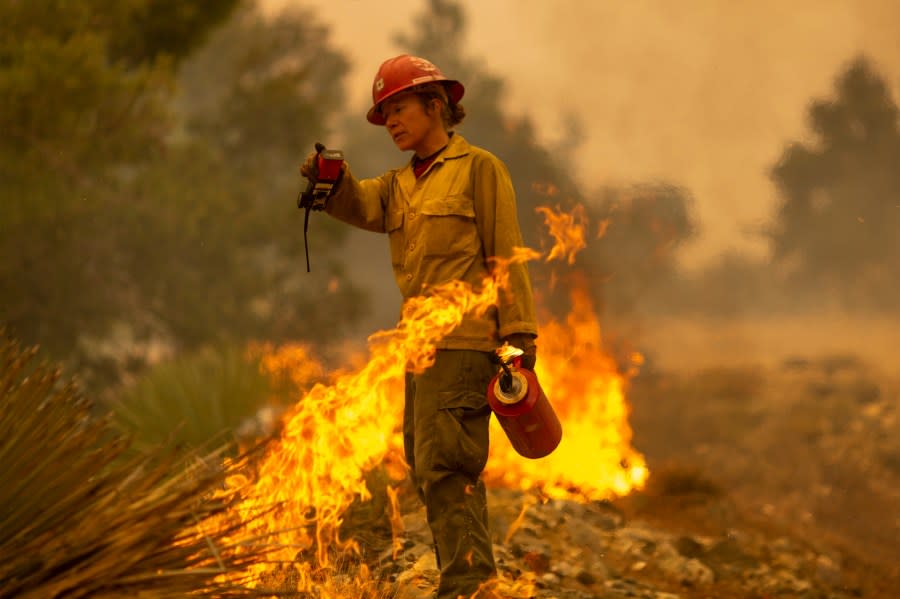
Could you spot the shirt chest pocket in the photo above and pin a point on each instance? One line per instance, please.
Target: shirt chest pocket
(449, 226)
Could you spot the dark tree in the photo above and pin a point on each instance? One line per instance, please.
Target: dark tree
(84, 94)
(640, 231)
(133, 216)
(838, 225)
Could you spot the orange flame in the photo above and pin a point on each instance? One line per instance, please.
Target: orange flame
(583, 383)
(568, 230)
(529, 502)
(338, 432)
(396, 521)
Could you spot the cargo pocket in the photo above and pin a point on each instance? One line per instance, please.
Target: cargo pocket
(393, 224)
(462, 432)
(449, 227)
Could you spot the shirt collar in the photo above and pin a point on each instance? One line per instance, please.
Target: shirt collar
(457, 147)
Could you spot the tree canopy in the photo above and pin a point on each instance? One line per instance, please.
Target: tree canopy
(149, 176)
(836, 228)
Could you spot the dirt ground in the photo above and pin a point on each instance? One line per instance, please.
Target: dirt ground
(795, 419)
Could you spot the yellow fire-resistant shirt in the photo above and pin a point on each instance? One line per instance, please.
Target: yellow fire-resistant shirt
(443, 227)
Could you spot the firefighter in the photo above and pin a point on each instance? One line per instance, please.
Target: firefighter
(446, 212)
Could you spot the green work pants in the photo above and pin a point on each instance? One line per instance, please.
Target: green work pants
(445, 434)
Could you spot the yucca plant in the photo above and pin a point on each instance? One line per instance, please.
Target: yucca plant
(205, 398)
(81, 517)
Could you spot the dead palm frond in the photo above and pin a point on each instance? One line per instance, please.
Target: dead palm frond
(80, 517)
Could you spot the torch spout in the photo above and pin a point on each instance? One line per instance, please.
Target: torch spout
(506, 379)
(506, 354)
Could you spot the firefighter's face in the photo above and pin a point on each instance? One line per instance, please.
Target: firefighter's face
(410, 125)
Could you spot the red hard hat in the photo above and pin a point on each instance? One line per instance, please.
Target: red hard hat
(401, 73)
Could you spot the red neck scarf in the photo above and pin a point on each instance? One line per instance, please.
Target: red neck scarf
(420, 165)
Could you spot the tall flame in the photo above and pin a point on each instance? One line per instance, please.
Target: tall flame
(586, 387)
(338, 432)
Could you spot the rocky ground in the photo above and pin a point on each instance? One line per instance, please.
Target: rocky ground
(688, 542)
(809, 446)
(779, 482)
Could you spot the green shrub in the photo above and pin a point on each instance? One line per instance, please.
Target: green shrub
(208, 397)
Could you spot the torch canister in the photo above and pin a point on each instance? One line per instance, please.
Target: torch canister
(524, 412)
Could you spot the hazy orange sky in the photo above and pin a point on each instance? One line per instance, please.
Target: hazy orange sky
(700, 93)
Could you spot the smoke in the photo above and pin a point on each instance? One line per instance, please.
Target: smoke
(703, 95)
(700, 95)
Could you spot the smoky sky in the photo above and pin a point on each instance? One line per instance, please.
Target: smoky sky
(701, 94)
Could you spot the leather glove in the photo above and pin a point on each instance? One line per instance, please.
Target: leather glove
(308, 168)
(525, 342)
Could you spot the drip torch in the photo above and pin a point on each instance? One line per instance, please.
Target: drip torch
(522, 408)
(326, 173)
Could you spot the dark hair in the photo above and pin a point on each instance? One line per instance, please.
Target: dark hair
(451, 113)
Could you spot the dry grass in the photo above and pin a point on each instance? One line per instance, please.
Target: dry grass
(80, 517)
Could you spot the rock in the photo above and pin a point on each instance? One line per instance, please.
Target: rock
(687, 571)
(415, 526)
(586, 578)
(550, 579)
(787, 559)
(627, 587)
(828, 571)
(563, 569)
(689, 547)
(586, 538)
(788, 582)
(634, 541)
(537, 561)
(726, 557)
(420, 580)
(696, 572)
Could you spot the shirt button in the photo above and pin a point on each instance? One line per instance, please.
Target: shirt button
(409, 277)
(412, 213)
(412, 246)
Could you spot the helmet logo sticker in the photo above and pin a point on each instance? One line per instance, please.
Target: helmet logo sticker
(422, 64)
(379, 84)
